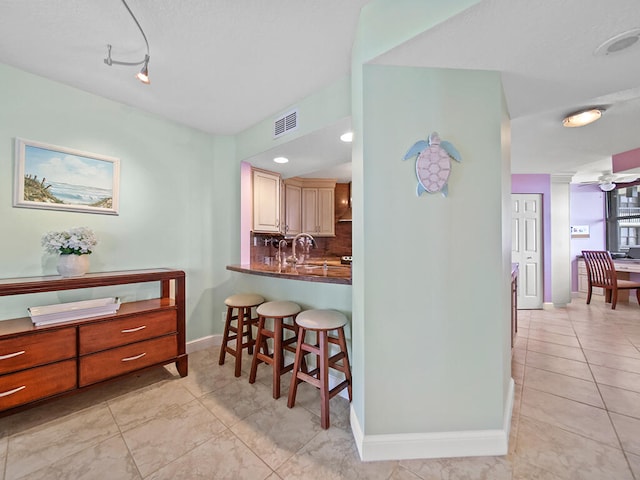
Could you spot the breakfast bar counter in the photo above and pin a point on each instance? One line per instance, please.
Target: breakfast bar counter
(320, 272)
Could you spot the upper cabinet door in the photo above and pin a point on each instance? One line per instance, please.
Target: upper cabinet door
(266, 202)
(326, 212)
(310, 210)
(292, 209)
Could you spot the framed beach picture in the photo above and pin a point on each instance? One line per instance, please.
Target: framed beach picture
(59, 178)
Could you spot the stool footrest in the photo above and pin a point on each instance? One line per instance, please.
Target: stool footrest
(309, 378)
(238, 327)
(338, 388)
(323, 322)
(276, 333)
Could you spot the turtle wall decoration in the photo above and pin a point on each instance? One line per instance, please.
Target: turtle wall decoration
(433, 164)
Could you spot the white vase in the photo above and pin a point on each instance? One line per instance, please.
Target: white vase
(71, 265)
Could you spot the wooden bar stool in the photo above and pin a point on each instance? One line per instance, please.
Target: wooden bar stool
(278, 311)
(243, 303)
(322, 322)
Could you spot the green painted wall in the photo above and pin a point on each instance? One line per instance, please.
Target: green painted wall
(435, 318)
(383, 25)
(174, 191)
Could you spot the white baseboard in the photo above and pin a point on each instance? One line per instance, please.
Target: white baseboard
(548, 306)
(203, 343)
(435, 444)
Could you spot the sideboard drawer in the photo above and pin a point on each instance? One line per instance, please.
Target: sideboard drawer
(109, 334)
(36, 349)
(117, 361)
(36, 383)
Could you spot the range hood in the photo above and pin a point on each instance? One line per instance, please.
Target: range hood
(346, 215)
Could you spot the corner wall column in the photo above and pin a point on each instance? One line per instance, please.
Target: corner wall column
(561, 241)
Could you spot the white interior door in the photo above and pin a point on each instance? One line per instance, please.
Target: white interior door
(526, 248)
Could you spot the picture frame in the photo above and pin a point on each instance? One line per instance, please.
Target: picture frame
(579, 231)
(51, 177)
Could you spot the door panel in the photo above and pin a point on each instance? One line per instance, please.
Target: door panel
(527, 248)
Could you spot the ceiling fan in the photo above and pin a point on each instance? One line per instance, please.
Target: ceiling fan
(608, 181)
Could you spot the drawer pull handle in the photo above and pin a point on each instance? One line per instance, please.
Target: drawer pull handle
(130, 330)
(11, 392)
(128, 359)
(11, 355)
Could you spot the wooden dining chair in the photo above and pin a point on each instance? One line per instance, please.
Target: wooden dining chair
(601, 273)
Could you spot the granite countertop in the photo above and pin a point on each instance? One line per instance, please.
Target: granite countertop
(311, 271)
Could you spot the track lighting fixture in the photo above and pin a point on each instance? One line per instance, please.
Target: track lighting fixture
(143, 74)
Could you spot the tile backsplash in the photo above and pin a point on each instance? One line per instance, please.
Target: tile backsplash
(265, 245)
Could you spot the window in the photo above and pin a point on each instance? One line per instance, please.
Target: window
(623, 218)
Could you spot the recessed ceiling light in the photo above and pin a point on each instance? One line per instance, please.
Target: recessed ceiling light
(619, 42)
(281, 160)
(583, 117)
(347, 137)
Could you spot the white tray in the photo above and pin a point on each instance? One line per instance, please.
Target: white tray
(66, 312)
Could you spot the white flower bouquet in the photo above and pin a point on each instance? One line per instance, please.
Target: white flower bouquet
(76, 241)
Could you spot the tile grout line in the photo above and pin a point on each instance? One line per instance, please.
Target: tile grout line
(606, 409)
(124, 440)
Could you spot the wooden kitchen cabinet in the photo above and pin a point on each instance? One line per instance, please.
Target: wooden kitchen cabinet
(318, 208)
(292, 207)
(266, 201)
(309, 206)
(37, 363)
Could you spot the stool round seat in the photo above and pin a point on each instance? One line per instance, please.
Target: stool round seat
(321, 319)
(244, 300)
(278, 309)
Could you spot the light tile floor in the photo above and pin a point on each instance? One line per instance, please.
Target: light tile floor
(576, 416)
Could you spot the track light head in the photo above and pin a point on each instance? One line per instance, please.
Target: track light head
(143, 74)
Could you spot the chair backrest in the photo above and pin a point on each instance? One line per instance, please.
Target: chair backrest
(600, 268)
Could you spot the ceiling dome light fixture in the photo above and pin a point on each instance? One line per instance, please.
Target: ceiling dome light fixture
(618, 42)
(281, 160)
(143, 75)
(583, 117)
(347, 137)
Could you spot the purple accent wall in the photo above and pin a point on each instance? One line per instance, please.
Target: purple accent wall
(587, 208)
(621, 162)
(540, 184)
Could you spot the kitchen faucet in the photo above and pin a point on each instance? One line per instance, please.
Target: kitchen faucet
(310, 239)
(281, 258)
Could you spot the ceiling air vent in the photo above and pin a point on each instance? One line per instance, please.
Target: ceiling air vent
(286, 123)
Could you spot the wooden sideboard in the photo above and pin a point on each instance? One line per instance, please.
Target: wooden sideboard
(39, 363)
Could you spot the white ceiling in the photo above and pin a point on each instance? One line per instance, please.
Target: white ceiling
(253, 58)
